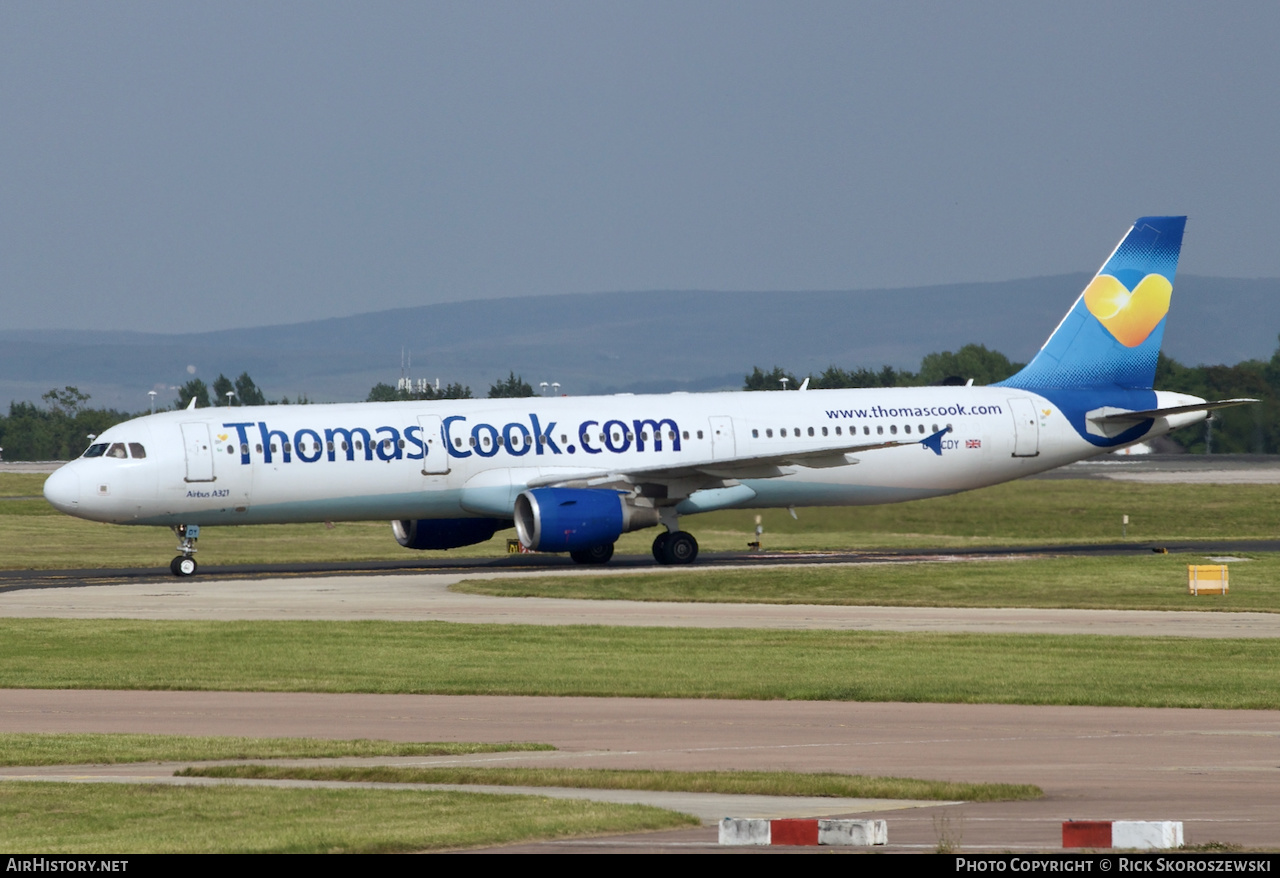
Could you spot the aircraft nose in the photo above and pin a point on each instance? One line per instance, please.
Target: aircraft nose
(62, 490)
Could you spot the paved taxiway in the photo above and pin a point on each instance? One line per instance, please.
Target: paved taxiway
(426, 596)
(1217, 770)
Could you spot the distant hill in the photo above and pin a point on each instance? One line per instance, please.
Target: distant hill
(650, 341)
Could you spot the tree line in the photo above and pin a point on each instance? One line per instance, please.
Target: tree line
(59, 428)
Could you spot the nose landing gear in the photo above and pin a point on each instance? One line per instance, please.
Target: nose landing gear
(184, 564)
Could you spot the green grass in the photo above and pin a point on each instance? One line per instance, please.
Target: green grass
(82, 749)
(55, 818)
(753, 783)
(34, 535)
(1141, 582)
(445, 658)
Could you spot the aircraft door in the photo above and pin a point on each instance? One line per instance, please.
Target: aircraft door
(1026, 428)
(722, 441)
(199, 452)
(435, 457)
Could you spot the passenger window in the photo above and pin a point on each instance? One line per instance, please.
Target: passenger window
(699, 434)
(838, 432)
(879, 431)
(286, 448)
(866, 431)
(769, 432)
(935, 428)
(117, 450)
(359, 446)
(671, 435)
(137, 451)
(755, 434)
(907, 428)
(920, 429)
(893, 428)
(686, 435)
(244, 449)
(231, 449)
(457, 441)
(811, 431)
(258, 448)
(783, 432)
(330, 444)
(486, 441)
(824, 431)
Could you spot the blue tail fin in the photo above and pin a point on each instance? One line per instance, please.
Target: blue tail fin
(1111, 336)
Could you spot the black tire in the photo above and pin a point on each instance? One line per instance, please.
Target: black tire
(681, 548)
(183, 565)
(660, 547)
(595, 555)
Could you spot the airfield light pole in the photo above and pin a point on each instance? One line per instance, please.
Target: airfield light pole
(784, 383)
(230, 394)
(152, 394)
(555, 388)
(544, 387)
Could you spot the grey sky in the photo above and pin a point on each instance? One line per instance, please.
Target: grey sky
(182, 166)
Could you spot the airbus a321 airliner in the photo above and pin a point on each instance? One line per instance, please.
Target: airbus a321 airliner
(572, 474)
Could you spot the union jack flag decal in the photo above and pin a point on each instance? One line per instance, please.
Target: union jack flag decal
(973, 443)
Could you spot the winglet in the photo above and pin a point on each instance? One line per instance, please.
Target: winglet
(934, 442)
(191, 404)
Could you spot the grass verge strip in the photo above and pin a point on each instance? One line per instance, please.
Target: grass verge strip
(455, 659)
(755, 783)
(1144, 582)
(56, 818)
(81, 749)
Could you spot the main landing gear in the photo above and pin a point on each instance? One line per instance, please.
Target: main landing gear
(185, 564)
(594, 555)
(675, 547)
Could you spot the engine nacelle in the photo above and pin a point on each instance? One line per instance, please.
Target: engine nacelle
(572, 519)
(445, 533)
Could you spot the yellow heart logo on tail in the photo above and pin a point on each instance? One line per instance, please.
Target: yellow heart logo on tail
(1129, 317)
(222, 437)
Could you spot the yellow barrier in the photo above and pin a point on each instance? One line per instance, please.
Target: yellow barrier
(1207, 579)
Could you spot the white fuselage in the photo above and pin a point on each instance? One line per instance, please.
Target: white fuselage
(470, 458)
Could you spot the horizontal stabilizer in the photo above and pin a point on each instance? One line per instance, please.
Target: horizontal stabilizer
(1112, 416)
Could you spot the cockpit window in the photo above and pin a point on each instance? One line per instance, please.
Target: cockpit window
(137, 451)
(117, 450)
(96, 450)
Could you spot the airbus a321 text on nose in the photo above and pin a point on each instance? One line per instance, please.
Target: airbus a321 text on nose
(572, 474)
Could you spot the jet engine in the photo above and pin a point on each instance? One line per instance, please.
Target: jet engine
(445, 533)
(574, 519)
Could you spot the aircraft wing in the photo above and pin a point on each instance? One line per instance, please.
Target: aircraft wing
(722, 470)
